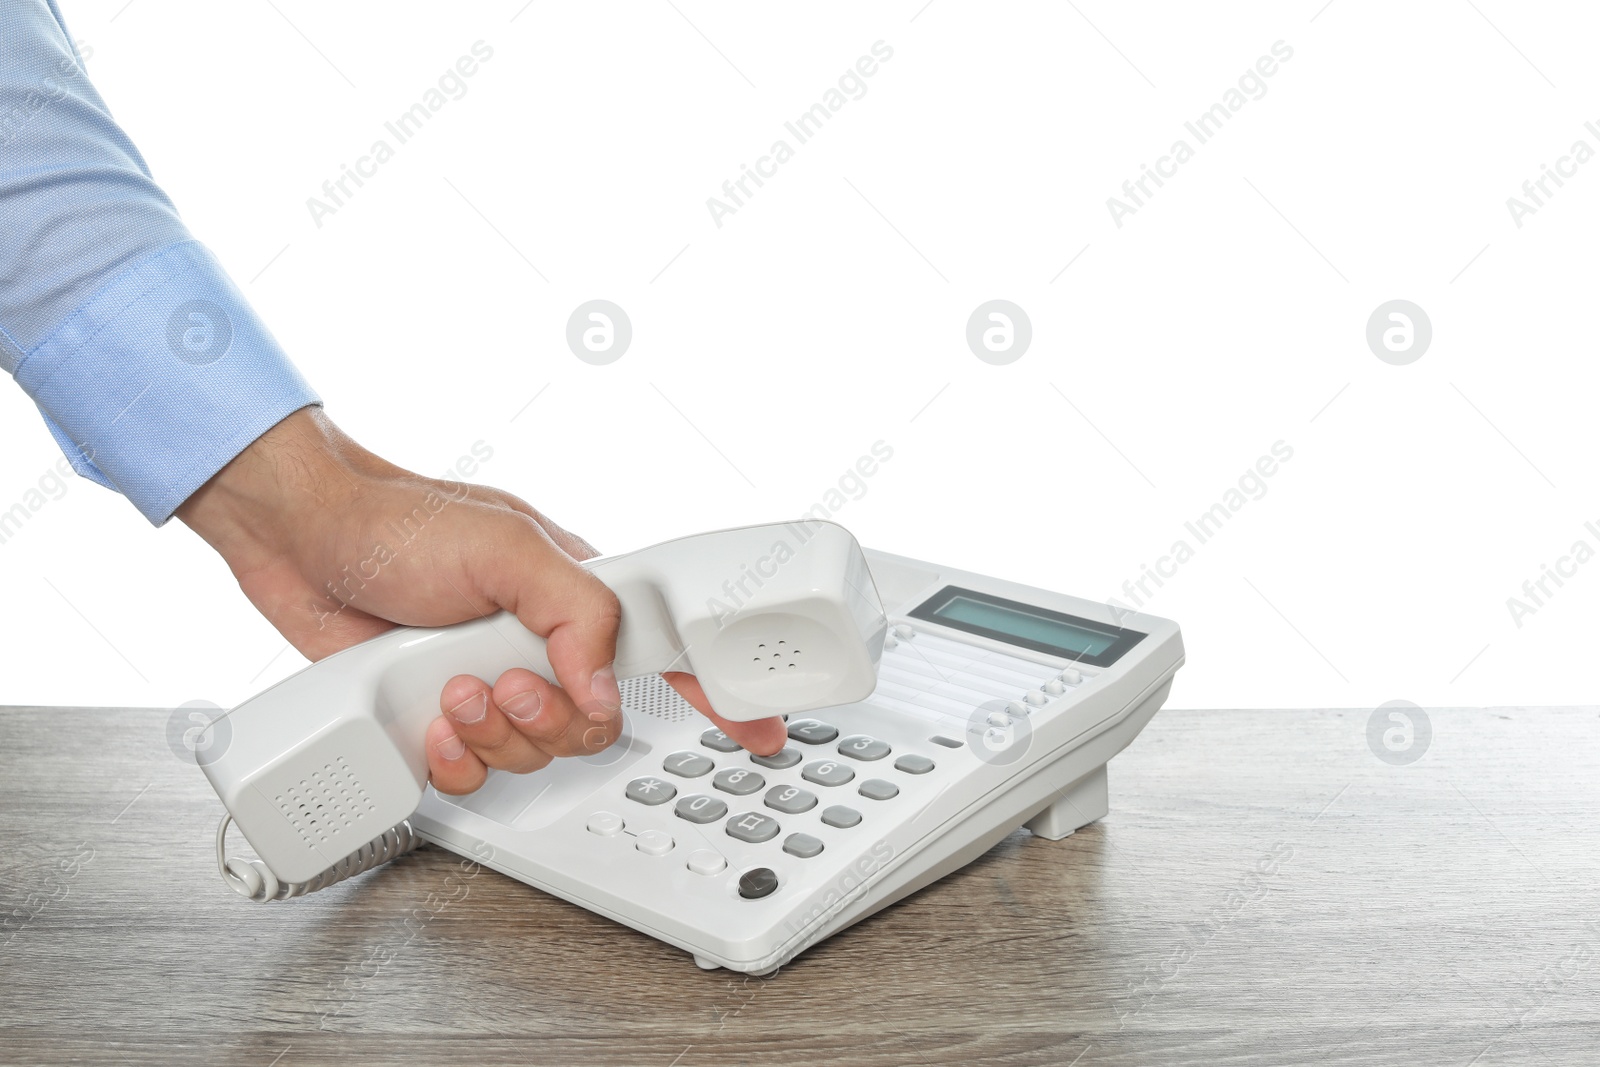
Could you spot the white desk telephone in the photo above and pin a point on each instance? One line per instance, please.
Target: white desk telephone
(947, 709)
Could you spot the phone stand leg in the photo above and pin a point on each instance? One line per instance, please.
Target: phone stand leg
(1085, 801)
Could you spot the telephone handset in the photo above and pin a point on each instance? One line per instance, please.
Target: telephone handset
(322, 771)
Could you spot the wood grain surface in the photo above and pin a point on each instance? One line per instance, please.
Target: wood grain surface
(1266, 890)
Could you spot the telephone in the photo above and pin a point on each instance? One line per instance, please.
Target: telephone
(930, 712)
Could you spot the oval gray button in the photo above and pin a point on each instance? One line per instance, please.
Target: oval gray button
(862, 747)
(753, 827)
(841, 816)
(701, 808)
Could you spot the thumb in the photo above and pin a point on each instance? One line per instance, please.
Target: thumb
(573, 611)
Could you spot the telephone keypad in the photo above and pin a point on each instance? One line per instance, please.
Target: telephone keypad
(781, 798)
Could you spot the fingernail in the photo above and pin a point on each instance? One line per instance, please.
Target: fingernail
(473, 709)
(522, 707)
(451, 748)
(603, 687)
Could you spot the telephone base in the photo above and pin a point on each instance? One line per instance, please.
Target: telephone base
(966, 739)
(1087, 801)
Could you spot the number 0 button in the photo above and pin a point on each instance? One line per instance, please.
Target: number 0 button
(827, 772)
(701, 808)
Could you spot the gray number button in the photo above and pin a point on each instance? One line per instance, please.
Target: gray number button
(827, 772)
(803, 845)
(841, 816)
(701, 808)
(718, 740)
(753, 826)
(860, 746)
(650, 791)
(687, 764)
(791, 800)
(786, 757)
(914, 764)
(812, 732)
(740, 782)
(878, 789)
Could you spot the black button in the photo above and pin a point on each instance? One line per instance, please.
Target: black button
(757, 883)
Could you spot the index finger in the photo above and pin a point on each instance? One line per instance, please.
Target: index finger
(764, 737)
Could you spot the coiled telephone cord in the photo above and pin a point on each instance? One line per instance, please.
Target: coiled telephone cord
(252, 879)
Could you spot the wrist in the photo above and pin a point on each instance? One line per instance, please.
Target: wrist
(252, 509)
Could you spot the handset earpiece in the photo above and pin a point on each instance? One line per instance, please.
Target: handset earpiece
(770, 619)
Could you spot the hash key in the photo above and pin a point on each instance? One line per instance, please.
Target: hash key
(753, 827)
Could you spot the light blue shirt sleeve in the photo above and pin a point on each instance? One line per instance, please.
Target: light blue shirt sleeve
(149, 366)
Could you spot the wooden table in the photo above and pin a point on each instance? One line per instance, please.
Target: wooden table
(1266, 890)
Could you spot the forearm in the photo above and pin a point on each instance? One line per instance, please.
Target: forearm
(149, 365)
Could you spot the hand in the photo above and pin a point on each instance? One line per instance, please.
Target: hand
(335, 545)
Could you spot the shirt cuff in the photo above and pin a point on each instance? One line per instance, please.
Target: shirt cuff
(161, 378)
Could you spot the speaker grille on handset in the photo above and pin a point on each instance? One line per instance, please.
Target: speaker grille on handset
(323, 804)
(651, 695)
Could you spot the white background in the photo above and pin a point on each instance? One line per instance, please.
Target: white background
(829, 312)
